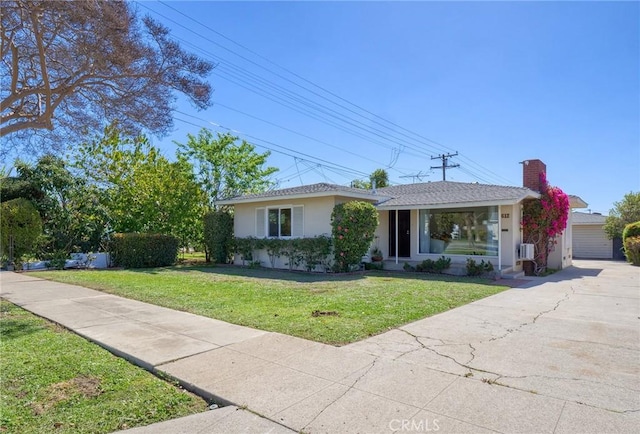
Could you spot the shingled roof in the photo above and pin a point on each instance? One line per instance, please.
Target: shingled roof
(449, 193)
(312, 190)
(441, 193)
(583, 218)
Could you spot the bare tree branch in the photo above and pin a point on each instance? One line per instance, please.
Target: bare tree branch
(76, 65)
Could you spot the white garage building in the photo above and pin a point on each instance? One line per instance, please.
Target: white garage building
(589, 238)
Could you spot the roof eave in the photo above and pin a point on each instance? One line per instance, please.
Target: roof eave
(577, 202)
(334, 193)
(514, 201)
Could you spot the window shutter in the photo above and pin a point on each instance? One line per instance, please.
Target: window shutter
(260, 222)
(297, 222)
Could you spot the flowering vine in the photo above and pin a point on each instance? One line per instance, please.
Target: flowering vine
(544, 219)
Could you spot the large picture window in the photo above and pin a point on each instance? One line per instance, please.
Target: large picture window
(459, 231)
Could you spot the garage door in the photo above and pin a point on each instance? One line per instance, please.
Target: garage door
(590, 242)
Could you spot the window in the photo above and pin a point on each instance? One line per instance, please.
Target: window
(280, 222)
(467, 231)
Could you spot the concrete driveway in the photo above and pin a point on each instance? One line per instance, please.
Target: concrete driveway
(555, 355)
(571, 342)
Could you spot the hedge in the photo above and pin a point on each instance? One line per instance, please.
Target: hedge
(218, 236)
(144, 250)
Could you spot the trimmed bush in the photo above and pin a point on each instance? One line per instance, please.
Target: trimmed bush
(475, 269)
(631, 242)
(431, 266)
(353, 226)
(218, 236)
(19, 218)
(144, 250)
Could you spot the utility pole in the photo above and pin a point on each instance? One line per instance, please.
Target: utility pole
(445, 165)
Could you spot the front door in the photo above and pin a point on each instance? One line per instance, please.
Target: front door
(404, 233)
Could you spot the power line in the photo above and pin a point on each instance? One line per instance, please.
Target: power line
(289, 152)
(313, 104)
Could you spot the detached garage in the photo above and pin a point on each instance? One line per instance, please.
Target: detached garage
(589, 239)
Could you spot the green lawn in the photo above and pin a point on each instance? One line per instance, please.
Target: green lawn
(347, 308)
(55, 381)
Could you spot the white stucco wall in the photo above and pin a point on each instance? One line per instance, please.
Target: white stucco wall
(316, 215)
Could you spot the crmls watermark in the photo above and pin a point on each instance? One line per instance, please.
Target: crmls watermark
(414, 425)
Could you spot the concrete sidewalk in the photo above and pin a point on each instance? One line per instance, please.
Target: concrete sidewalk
(557, 355)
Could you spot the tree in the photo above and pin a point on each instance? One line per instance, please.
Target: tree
(20, 226)
(142, 190)
(624, 212)
(379, 176)
(14, 188)
(72, 216)
(223, 168)
(69, 66)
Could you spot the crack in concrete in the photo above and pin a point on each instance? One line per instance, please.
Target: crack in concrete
(555, 427)
(535, 318)
(453, 359)
(549, 377)
(341, 395)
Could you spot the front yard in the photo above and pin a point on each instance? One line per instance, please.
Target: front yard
(334, 309)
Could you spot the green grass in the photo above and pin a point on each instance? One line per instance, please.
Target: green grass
(360, 305)
(55, 381)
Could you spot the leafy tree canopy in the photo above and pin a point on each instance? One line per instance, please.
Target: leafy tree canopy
(142, 190)
(20, 226)
(224, 168)
(624, 212)
(69, 66)
(70, 208)
(379, 176)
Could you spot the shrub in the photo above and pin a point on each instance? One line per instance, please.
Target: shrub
(353, 226)
(631, 242)
(218, 236)
(307, 252)
(274, 247)
(20, 219)
(144, 250)
(314, 252)
(290, 249)
(475, 269)
(373, 265)
(431, 266)
(245, 247)
(57, 259)
(408, 267)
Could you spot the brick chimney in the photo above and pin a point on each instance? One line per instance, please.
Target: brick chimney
(531, 170)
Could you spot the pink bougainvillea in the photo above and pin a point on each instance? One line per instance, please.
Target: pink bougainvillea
(544, 219)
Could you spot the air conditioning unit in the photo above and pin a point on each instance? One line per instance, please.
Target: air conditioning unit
(526, 252)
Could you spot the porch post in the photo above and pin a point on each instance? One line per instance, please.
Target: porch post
(500, 238)
(396, 236)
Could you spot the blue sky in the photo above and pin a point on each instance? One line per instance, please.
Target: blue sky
(498, 82)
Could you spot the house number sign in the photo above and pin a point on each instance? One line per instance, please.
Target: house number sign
(505, 215)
